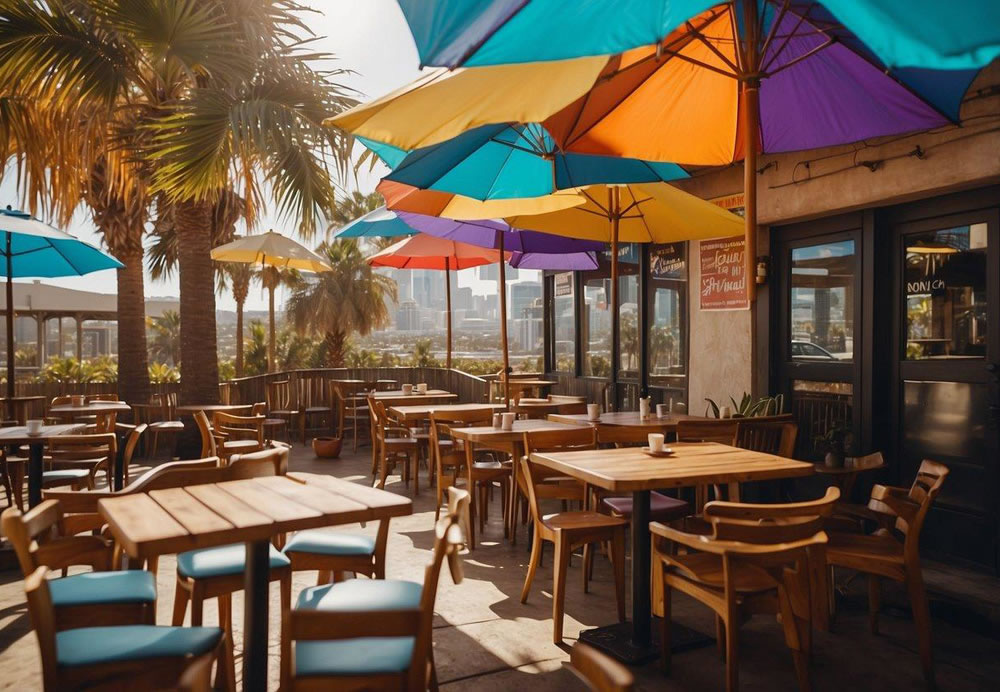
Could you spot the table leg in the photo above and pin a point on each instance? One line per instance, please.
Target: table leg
(119, 471)
(35, 450)
(641, 611)
(469, 459)
(257, 578)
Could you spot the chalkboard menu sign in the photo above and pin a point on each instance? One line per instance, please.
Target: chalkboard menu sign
(723, 275)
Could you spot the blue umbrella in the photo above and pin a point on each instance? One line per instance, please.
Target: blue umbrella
(380, 223)
(508, 161)
(31, 248)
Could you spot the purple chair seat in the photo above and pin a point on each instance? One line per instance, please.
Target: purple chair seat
(661, 507)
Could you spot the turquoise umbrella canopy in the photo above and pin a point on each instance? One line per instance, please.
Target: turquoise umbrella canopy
(379, 223)
(31, 248)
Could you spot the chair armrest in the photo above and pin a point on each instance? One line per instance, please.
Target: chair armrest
(397, 429)
(897, 500)
(709, 544)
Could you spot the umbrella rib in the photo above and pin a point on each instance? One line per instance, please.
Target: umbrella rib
(826, 44)
(67, 259)
(703, 39)
(774, 28)
(788, 37)
(510, 152)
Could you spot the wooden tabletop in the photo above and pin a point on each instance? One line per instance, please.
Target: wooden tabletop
(628, 469)
(423, 411)
(89, 408)
(191, 409)
(398, 398)
(18, 434)
(630, 419)
(201, 516)
(525, 384)
(487, 433)
(20, 399)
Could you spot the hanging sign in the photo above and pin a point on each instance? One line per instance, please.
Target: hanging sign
(564, 284)
(723, 274)
(667, 261)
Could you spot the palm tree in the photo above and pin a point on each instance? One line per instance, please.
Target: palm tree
(352, 206)
(221, 92)
(350, 298)
(238, 276)
(271, 278)
(165, 346)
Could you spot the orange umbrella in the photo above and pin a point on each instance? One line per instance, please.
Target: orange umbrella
(430, 252)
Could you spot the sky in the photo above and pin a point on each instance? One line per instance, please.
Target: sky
(369, 37)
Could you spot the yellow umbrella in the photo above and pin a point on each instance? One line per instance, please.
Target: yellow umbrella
(272, 251)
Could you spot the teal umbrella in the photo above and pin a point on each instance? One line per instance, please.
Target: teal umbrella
(31, 248)
(379, 223)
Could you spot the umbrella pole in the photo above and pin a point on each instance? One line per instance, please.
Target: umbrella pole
(502, 281)
(615, 326)
(271, 280)
(447, 293)
(751, 130)
(10, 331)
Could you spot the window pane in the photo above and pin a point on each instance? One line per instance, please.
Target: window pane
(946, 293)
(668, 286)
(628, 310)
(595, 334)
(822, 302)
(819, 408)
(565, 324)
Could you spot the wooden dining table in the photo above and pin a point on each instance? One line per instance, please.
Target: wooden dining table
(415, 413)
(16, 436)
(17, 407)
(397, 397)
(91, 408)
(630, 470)
(251, 511)
(629, 419)
(510, 441)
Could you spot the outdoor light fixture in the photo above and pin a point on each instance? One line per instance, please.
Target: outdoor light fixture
(763, 268)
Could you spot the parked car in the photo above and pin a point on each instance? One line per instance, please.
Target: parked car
(806, 350)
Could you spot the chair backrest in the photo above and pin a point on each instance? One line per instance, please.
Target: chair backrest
(92, 446)
(208, 446)
(722, 430)
(441, 424)
(61, 400)
(43, 621)
(571, 408)
(102, 397)
(621, 436)
(771, 514)
(598, 671)
(925, 488)
(305, 625)
(105, 421)
(225, 393)
(254, 465)
(770, 436)
(533, 476)
(279, 395)
(560, 440)
(131, 444)
(37, 540)
(228, 424)
(167, 401)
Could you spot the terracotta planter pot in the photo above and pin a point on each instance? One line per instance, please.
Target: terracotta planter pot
(327, 447)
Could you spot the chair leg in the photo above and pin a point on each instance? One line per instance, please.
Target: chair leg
(661, 575)
(536, 554)
(874, 601)
(588, 560)
(415, 460)
(225, 674)
(922, 620)
(618, 562)
(561, 563)
(197, 607)
(732, 625)
(181, 597)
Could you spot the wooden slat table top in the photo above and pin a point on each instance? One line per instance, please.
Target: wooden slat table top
(628, 469)
(400, 394)
(398, 398)
(487, 433)
(178, 519)
(529, 383)
(423, 411)
(18, 434)
(191, 409)
(90, 408)
(630, 419)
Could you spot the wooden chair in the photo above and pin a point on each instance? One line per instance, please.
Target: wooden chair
(124, 657)
(166, 421)
(572, 408)
(271, 425)
(128, 453)
(452, 462)
(757, 560)
(566, 531)
(894, 553)
(61, 400)
(217, 444)
(372, 634)
(769, 436)
(336, 554)
(316, 403)
(599, 672)
(100, 597)
(281, 404)
(723, 431)
(219, 572)
(75, 459)
(393, 444)
(352, 411)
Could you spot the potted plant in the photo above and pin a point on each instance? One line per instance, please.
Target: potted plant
(327, 447)
(836, 442)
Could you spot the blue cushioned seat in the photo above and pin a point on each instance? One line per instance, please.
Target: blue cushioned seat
(361, 595)
(327, 543)
(222, 561)
(362, 656)
(95, 645)
(126, 586)
(64, 475)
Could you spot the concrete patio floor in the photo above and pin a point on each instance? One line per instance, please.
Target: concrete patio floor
(485, 639)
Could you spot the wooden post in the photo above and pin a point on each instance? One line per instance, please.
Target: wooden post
(79, 338)
(615, 207)
(10, 330)
(447, 293)
(502, 281)
(270, 328)
(751, 130)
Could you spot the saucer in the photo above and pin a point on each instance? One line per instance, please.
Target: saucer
(667, 452)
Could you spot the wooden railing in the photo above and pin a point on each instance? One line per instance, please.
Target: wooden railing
(50, 390)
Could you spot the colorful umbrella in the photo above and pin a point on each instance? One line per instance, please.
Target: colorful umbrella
(272, 251)
(402, 197)
(508, 161)
(733, 80)
(32, 248)
(379, 223)
(923, 33)
(497, 235)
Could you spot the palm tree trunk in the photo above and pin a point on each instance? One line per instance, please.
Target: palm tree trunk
(271, 365)
(133, 356)
(334, 342)
(199, 358)
(239, 338)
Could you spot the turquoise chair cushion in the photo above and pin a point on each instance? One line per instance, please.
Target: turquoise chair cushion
(361, 595)
(89, 646)
(221, 561)
(127, 586)
(64, 475)
(362, 656)
(327, 543)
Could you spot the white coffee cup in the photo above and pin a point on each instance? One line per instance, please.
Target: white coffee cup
(725, 412)
(79, 400)
(507, 421)
(407, 389)
(662, 410)
(656, 442)
(422, 388)
(497, 421)
(593, 412)
(34, 426)
(644, 407)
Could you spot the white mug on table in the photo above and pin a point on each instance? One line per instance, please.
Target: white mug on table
(422, 388)
(644, 407)
(656, 442)
(497, 421)
(79, 400)
(593, 412)
(407, 389)
(507, 421)
(662, 410)
(34, 426)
